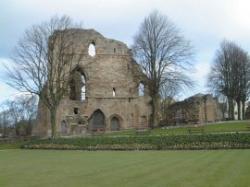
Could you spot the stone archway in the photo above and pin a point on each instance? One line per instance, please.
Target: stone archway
(115, 124)
(97, 121)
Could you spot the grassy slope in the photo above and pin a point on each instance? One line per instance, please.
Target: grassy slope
(237, 126)
(13, 145)
(150, 168)
(211, 128)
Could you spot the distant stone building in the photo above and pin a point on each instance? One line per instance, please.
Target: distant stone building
(198, 109)
(106, 93)
(247, 114)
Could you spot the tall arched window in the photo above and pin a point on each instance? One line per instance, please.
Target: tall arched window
(91, 49)
(83, 88)
(77, 85)
(72, 86)
(141, 89)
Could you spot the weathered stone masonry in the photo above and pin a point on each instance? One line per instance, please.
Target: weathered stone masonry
(103, 92)
(198, 109)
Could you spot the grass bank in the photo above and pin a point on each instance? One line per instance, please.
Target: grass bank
(221, 127)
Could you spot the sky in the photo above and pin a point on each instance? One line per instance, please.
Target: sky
(204, 22)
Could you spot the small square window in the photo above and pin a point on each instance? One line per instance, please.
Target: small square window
(76, 111)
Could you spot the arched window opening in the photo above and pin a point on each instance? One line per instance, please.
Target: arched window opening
(114, 92)
(83, 88)
(72, 87)
(115, 124)
(91, 49)
(64, 128)
(143, 121)
(141, 89)
(114, 50)
(77, 86)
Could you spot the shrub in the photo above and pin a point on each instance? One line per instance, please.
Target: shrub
(192, 141)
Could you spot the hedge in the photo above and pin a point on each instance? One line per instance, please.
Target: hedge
(202, 141)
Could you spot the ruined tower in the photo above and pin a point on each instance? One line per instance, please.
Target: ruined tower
(107, 91)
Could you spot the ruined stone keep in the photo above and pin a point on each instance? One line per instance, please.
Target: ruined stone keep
(197, 109)
(106, 91)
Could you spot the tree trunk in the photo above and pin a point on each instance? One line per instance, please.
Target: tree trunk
(154, 115)
(243, 110)
(53, 121)
(231, 109)
(239, 110)
(5, 133)
(223, 111)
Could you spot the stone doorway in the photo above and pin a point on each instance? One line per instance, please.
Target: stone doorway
(115, 124)
(97, 121)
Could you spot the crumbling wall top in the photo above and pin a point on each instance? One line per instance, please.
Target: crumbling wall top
(82, 38)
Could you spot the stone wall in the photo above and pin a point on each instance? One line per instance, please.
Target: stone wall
(198, 109)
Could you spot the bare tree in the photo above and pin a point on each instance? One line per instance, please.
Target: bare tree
(219, 77)
(23, 111)
(43, 60)
(163, 55)
(242, 77)
(5, 122)
(230, 75)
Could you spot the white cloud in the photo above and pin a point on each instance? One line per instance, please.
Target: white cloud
(6, 92)
(202, 70)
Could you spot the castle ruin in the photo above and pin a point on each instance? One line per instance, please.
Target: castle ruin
(107, 91)
(197, 109)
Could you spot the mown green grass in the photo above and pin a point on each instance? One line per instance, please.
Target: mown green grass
(106, 168)
(223, 127)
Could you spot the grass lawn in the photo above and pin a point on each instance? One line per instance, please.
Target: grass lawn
(114, 169)
(222, 127)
